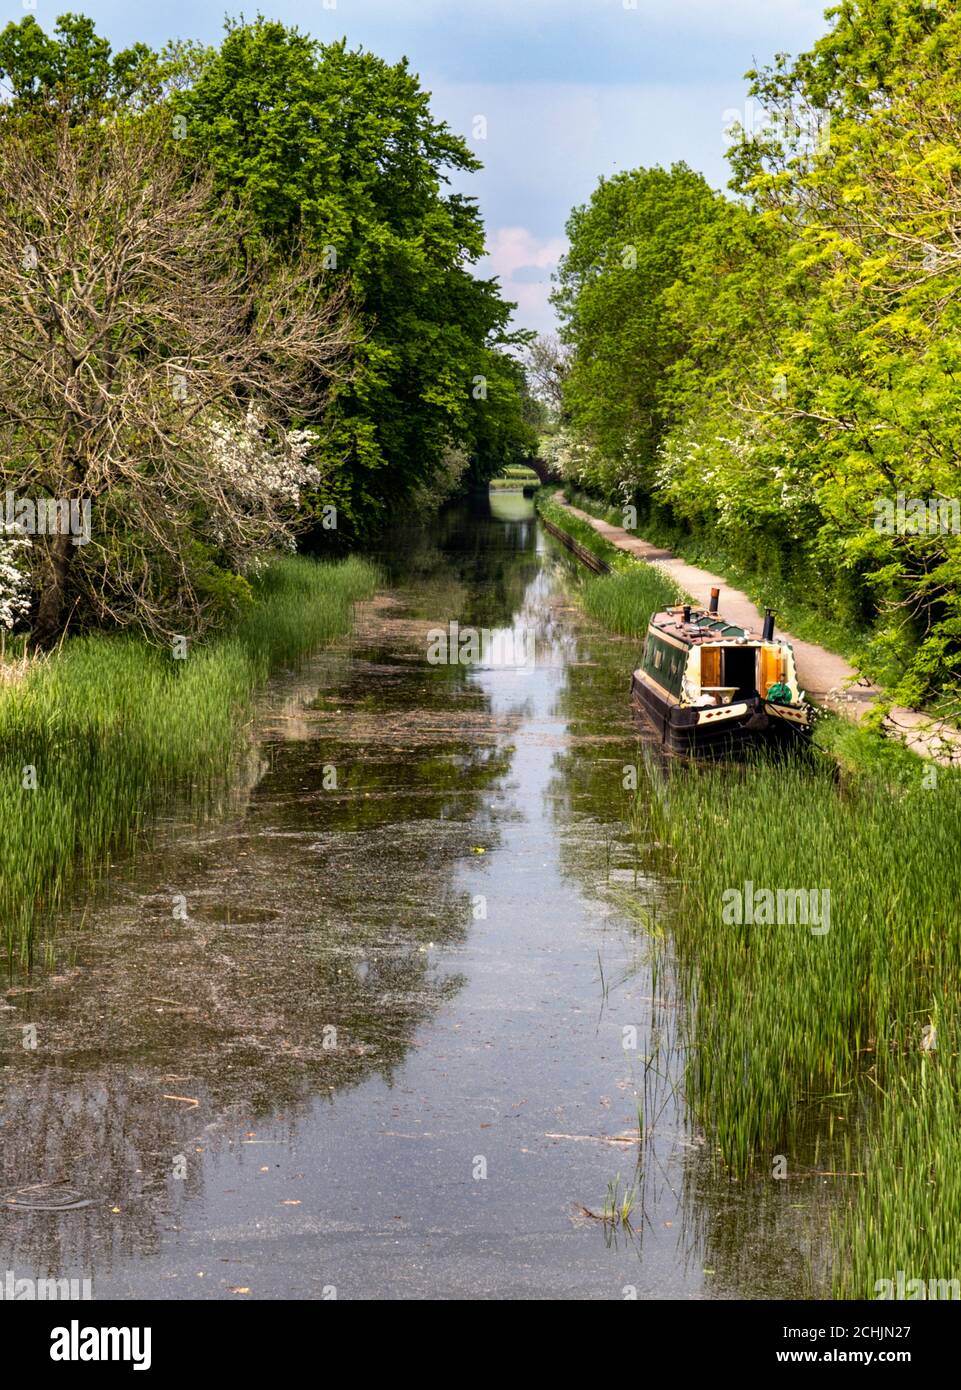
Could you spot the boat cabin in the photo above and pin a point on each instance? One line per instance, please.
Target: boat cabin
(705, 656)
(700, 674)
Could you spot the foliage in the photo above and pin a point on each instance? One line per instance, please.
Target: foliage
(581, 531)
(147, 375)
(792, 1032)
(547, 361)
(73, 70)
(248, 296)
(625, 251)
(338, 149)
(808, 342)
(14, 579)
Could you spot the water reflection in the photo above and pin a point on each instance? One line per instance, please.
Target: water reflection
(516, 509)
(281, 1044)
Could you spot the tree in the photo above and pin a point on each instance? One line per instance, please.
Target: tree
(548, 362)
(874, 216)
(74, 72)
(335, 152)
(152, 361)
(339, 149)
(786, 390)
(626, 248)
(501, 432)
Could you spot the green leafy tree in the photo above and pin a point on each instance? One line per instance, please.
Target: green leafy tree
(74, 70)
(787, 389)
(626, 247)
(873, 217)
(339, 149)
(148, 377)
(333, 154)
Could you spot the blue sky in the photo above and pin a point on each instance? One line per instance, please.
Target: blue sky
(569, 89)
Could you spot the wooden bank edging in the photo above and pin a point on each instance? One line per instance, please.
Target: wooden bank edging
(592, 561)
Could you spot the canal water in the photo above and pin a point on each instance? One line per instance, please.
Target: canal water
(386, 1026)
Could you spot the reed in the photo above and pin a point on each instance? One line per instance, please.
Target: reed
(623, 602)
(95, 738)
(619, 1203)
(850, 1035)
(903, 1217)
(785, 1014)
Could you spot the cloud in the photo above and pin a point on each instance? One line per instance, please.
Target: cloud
(548, 143)
(524, 264)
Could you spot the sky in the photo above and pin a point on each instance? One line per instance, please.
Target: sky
(550, 94)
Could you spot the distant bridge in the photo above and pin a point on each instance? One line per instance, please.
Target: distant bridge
(542, 471)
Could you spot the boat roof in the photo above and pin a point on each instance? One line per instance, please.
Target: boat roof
(702, 627)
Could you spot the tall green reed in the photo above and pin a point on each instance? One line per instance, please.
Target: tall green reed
(845, 1041)
(783, 1014)
(623, 602)
(94, 739)
(790, 1029)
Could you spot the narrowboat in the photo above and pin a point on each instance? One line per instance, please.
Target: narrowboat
(707, 684)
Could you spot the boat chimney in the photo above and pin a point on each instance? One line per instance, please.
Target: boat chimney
(687, 612)
(767, 631)
(715, 595)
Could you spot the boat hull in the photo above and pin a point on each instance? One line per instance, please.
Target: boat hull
(715, 730)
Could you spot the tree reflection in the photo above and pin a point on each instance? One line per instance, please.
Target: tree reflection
(242, 968)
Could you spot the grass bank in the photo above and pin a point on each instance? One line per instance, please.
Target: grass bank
(515, 477)
(583, 533)
(95, 738)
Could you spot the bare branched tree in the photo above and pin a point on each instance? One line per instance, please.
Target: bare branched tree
(547, 361)
(152, 362)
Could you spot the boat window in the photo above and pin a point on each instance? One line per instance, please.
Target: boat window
(658, 659)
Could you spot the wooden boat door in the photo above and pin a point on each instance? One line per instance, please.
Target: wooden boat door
(710, 666)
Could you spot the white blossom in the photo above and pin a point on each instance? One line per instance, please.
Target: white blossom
(254, 464)
(14, 581)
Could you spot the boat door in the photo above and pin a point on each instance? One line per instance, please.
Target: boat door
(711, 667)
(740, 670)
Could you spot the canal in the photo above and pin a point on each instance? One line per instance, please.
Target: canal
(385, 1024)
